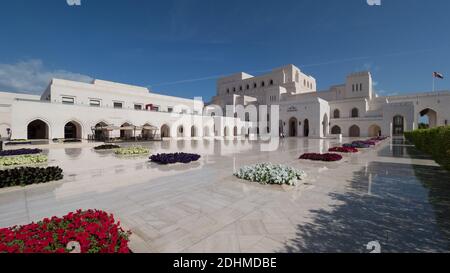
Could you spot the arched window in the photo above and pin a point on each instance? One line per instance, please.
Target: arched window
(248, 86)
(263, 84)
(228, 91)
(336, 130)
(234, 89)
(336, 113)
(254, 85)
(354, 131)
(240, 88)
(355, 113)
(271, 82)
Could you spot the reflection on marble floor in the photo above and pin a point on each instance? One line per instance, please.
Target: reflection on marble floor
(401, 201)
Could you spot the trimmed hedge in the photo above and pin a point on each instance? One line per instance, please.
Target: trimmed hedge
(435, 142)
(20, 152)
(28, 176)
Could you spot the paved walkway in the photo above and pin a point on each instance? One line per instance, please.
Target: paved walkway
(391, 194)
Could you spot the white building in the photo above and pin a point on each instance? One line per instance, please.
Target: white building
(101, 109)
(352, 109)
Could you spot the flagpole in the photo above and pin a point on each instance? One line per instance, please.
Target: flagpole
(433, 82)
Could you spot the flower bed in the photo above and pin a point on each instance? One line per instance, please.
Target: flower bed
(22, 160)
(368, 142)
(96, 232)
(28, 176)
(72, 141)
(267, 173)
(165, 159)
(380, 138)
(20, 152)
(18, 142)
(343, 150)
(106, 147)
(136, 150)
(357, 145)
(321, 157)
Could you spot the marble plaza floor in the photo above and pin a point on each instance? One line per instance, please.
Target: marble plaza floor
(392, 194)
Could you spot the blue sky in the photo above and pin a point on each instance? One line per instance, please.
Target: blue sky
(180, 47)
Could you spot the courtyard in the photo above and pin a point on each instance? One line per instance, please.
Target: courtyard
(392, 194)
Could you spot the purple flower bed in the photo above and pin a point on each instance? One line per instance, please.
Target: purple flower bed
(20, 152)
(381, 138)
(165, 159)
(357, 145)
(321, 157)
(365, 142)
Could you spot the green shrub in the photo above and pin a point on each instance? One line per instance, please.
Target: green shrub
(28, 176)
(435, 142)
(22, 160)
(135, 150)
(106, 147)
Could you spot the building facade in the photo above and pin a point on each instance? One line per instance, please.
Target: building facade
(106, 110)
(352, 109)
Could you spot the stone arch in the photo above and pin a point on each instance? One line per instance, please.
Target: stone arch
(336, 130)
(194, 132)
(226, 131)
(100, 131)
(147, 133)
(73, 130)
(165, 131)
(306, 128)
(374, 130)
(354, 131)
(428, 118)
(125, 132)
(38, 129)
(293, 127)
(180, 131)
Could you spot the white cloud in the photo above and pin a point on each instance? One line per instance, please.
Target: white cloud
(31, 76)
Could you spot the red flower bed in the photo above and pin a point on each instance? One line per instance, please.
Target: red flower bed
(343, 150)
(96, 232)
(321, 157)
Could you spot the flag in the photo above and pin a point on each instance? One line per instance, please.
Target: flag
(438, 75)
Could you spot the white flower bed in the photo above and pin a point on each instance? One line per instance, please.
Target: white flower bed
(267, 173)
